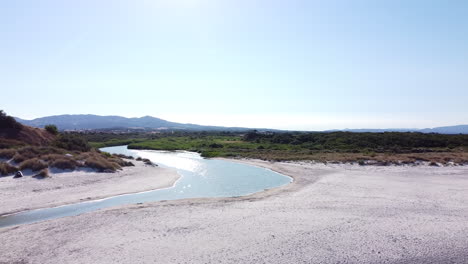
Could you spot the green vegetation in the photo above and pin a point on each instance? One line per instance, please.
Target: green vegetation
(52, 129)
(115, 142)
(386, 148)
(71, 142)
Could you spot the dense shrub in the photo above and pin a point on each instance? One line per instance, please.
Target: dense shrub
(7, 153)
(8, 122)
(394, 142)
(64, 164)
(51, 129)
(6, 169)
(72, 142)
(33, 164)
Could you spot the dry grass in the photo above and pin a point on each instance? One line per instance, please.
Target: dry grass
(34, 164)
(122, 156)
(37, 158)
(44, 173)
(102, 165)
(18, 158)
(121, 162)
(64, 163)
(7, 169)
(7, 153)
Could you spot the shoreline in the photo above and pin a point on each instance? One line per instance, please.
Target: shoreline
(80, 186)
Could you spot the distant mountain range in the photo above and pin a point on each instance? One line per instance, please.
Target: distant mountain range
(460, 129)
(95, 122)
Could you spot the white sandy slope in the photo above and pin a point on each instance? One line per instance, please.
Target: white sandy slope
(330, 214)
(71, 187)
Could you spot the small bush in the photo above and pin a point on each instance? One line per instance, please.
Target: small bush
(122, 156)
(83, 156)
(147, 162)
(52, 129)
(106, 154)
(64, 164)
(121, 162)
(6, 169)
(101, 164)
(7, 153)
(44, 173)
(33, 164)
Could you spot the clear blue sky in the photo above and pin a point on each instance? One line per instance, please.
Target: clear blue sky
(267, 63)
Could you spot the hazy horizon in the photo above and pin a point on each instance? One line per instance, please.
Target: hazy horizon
(297, 65)
(256, 126)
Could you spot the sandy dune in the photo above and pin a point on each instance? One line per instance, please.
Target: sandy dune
(72, 187)
(330, 214)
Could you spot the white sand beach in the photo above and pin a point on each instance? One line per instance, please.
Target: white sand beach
(329, 214)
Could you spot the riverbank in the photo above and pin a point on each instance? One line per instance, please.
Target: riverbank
(26, 193)
(329, 214)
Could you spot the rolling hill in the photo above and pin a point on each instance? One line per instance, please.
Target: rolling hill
(92, 122)
(96, 122)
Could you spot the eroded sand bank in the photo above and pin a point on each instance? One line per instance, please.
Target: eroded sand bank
(72, 187)
(329, 214)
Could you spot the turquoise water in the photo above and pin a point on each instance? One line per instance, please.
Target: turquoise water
(199, 178)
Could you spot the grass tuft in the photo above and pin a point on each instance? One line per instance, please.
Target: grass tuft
(7, 169)
(7, 153)
(34, 164)
(101, 164)
(64, 164)
(44, 173)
